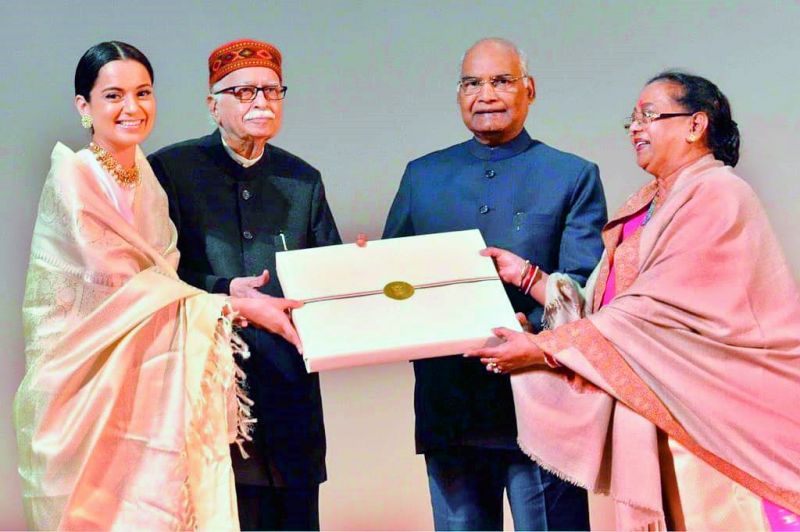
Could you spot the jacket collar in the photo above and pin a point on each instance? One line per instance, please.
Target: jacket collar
(231, 169)
(511, 148)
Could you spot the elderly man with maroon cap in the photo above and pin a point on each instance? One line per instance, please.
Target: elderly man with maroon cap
(236, 200)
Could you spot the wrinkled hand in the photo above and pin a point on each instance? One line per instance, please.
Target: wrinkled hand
(272, 314)
(517, 352)
(509, 266)
(248, 286)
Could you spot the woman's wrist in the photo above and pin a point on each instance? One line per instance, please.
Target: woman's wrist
(551, 362)
(541, 356)
(529, 277)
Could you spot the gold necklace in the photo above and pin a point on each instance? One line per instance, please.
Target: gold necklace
(126, 178)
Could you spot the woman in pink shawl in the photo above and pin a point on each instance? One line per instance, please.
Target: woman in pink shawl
(671, 380)
(131, 395)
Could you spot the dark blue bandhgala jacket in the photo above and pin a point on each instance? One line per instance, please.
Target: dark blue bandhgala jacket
(543, 204)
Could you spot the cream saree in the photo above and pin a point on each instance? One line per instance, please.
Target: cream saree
(701, 341)
(130, 397)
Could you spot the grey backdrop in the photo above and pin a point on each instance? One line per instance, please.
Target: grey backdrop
(372, 85)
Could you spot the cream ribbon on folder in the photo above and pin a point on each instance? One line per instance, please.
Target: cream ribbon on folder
(420, 286)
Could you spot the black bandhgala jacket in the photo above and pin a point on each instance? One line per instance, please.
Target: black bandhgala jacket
(231, 221)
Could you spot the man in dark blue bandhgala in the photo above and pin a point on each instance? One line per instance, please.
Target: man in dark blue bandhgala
(544, 205)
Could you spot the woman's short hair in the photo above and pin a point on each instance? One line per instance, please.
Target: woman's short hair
(699, 94)
(97, 56)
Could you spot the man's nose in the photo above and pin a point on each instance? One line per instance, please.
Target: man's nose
(261, 98)
(487, 91)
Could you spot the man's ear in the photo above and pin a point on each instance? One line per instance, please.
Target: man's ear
(531, 88)
(211, 101)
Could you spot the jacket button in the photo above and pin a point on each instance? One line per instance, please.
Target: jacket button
(247, 235)
(484, 209)
(246, 194)
(490, 174)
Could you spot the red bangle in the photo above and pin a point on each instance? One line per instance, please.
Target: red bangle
(526, 278)
(531, 280)
(525, 270)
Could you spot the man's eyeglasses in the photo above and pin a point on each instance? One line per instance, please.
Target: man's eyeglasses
(469, 86)
(645, 118)
(248, 93)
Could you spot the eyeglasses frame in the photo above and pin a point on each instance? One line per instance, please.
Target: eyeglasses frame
(490, 81)
(651, 117)
(263, 90)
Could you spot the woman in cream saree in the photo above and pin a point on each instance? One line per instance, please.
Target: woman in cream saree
(670, 380)
(129, 399)
(131, 395)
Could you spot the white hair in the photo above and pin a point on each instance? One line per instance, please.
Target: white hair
(521, 55)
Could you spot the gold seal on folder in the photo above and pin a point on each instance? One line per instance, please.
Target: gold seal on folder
(398, 290)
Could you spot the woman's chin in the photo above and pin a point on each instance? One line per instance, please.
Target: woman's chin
(126, 139)
(642, 161)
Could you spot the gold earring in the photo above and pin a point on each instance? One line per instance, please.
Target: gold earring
(691, 138)
(86, 121)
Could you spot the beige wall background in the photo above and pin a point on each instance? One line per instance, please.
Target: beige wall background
(372, 85)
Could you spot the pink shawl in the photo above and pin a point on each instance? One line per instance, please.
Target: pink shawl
(702, 341)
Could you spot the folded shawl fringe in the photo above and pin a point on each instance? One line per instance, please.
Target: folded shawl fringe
(221, 371)
(567, 301)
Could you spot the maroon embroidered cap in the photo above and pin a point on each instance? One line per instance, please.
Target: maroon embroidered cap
(242, 53)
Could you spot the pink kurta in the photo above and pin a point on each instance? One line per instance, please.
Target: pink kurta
(630, 226)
